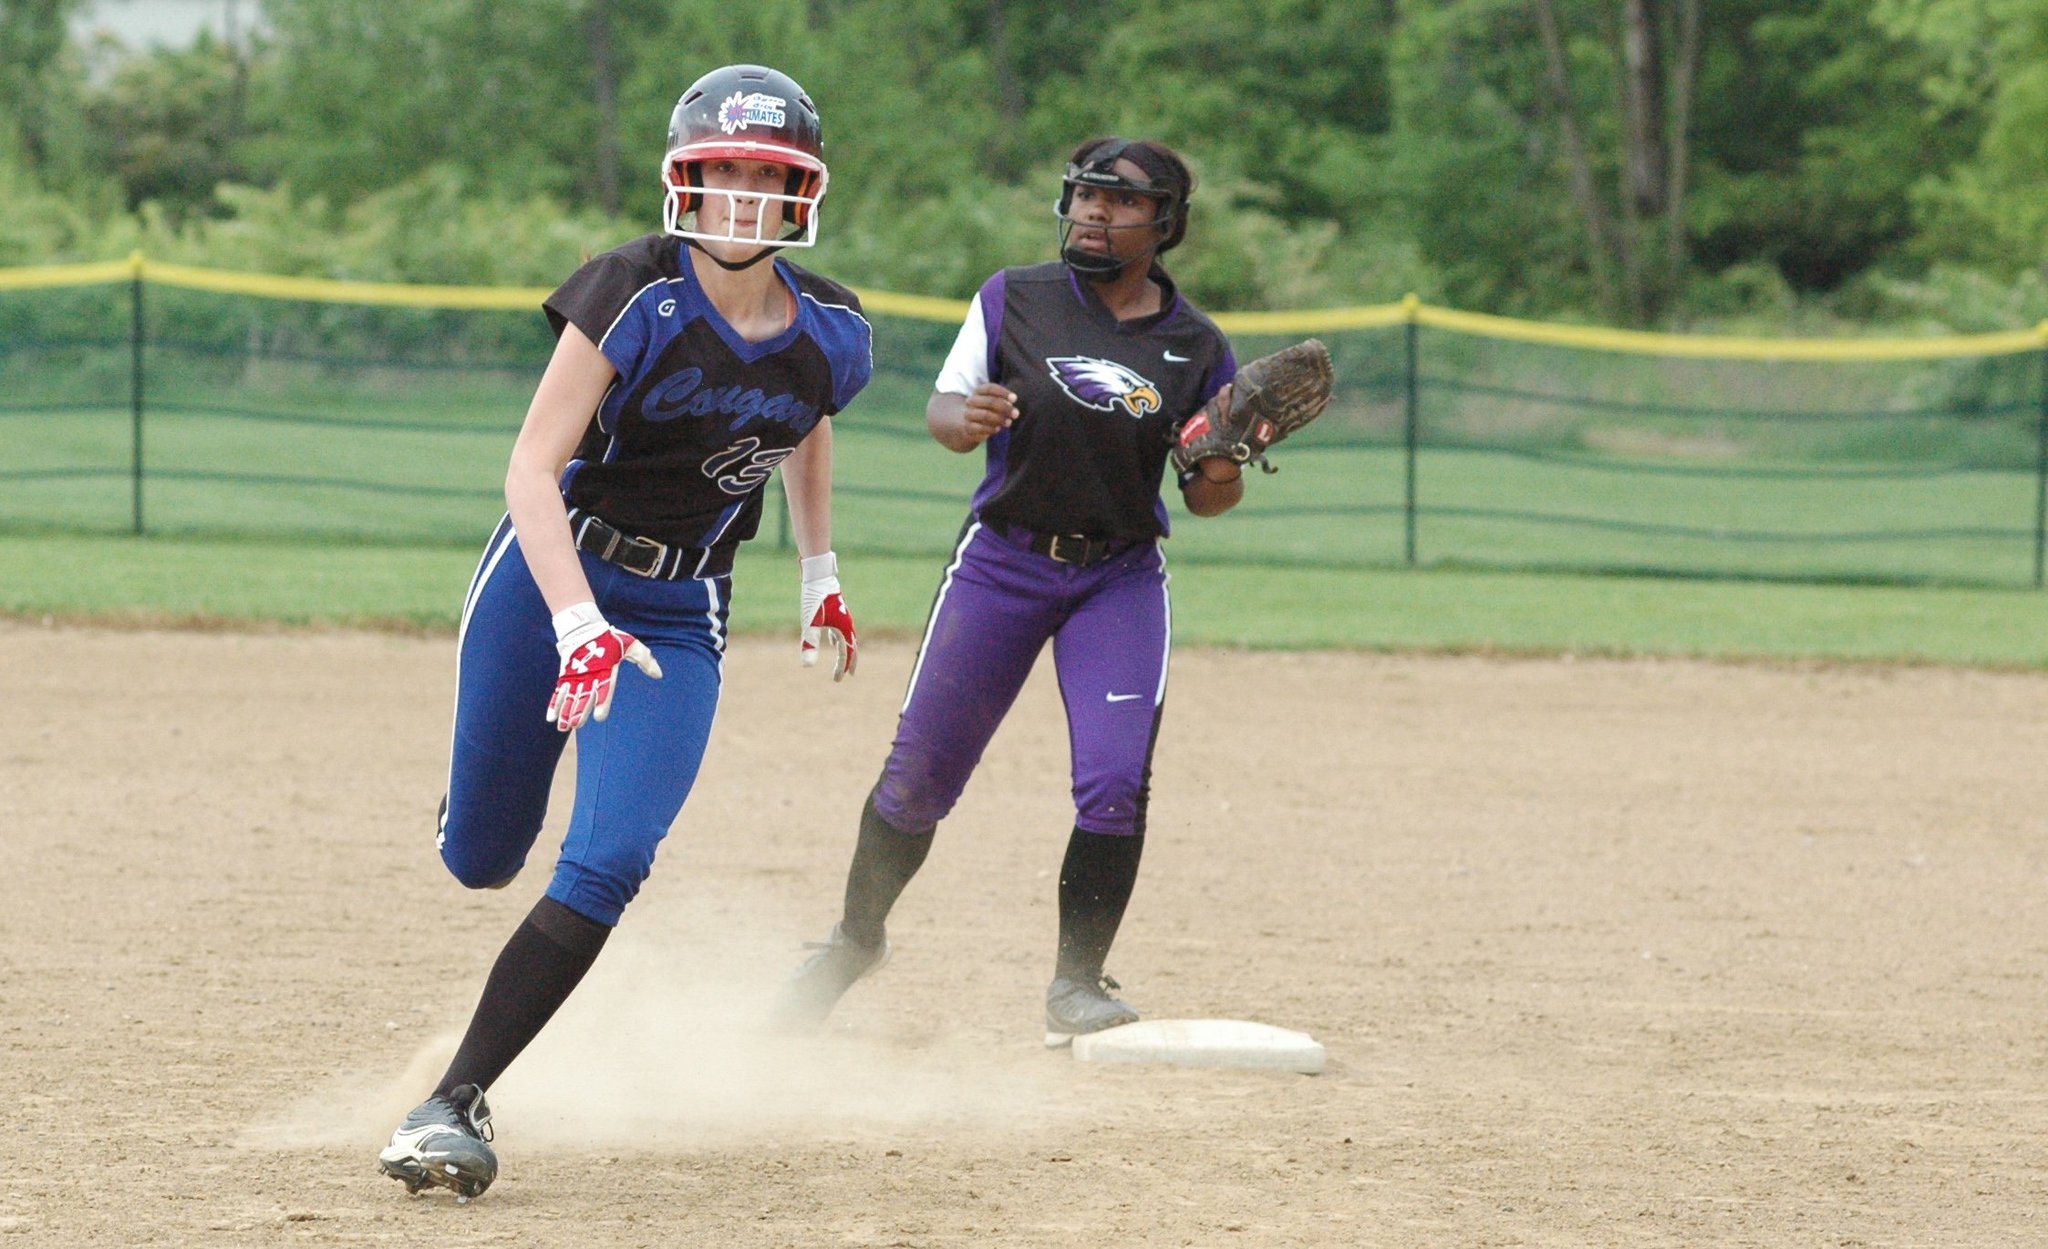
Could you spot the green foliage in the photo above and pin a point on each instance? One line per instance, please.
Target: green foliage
(40, 225)
(1993, 209)
(168, 125)
(1992, 69)
(359, 94)
(1241, 253)
(1291, 93)
(1953, 297)
(431, 228)
(1348, 151)
(1813, 130)
(41, 95)
(1475, 178)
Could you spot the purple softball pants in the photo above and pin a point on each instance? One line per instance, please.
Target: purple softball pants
(1110, 627)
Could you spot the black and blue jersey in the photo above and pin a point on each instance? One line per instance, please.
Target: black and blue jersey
(698, 417)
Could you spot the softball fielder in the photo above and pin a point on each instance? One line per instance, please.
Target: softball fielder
(1073, 376)
(689, 365)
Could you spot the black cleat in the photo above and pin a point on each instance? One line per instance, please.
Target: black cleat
(1074, 1007)
(444, 1141)
(815, 988)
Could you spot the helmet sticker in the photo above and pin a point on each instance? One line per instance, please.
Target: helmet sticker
(1104, 385)
(738, 111)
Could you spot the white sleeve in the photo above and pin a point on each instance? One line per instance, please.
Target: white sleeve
(967, 364)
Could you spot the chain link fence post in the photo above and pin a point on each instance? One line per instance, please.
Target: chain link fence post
(1412, 422)
(2041, 471)
(135, 383)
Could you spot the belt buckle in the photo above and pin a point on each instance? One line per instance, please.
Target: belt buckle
(1054, 552)
(630, 551)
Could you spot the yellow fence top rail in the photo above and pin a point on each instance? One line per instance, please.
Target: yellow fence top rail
(42, 276)
(920, 307)
(332, 291)
(928, 308)
(1727, 347)
(1373, 317)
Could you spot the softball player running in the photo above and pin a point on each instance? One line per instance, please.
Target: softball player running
(686, 370)
(1074, 376)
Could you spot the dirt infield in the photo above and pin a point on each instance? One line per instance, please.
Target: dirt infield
(1630, 954)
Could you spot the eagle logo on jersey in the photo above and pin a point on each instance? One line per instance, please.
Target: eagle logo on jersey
(1104, 385)
(737, 112)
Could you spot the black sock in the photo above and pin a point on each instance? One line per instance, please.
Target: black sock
(538, 969)
(884, 860)
(1095, 886)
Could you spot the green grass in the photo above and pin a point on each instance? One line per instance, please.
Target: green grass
(1332, 505)
(185, 580)
(302, 492)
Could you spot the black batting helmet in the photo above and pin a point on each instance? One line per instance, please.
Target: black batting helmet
(746, 112)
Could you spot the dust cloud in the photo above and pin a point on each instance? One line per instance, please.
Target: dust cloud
(663, 1046)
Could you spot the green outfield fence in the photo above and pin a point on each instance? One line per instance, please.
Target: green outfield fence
(143, 397)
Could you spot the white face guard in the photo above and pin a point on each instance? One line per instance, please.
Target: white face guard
(775, 207)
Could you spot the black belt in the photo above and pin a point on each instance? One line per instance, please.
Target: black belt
(644, 557)
(1077, 549)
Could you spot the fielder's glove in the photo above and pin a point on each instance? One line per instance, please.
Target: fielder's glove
(1270, 398)
(822, 618)
(591, 652)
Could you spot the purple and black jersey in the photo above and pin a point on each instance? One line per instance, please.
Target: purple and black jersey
(1098, 401)
(698, 417)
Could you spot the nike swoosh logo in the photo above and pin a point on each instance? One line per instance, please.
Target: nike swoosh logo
(1174, 359)
(1120, 698)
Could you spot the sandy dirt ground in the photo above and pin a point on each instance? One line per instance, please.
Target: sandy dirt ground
(1604, 953)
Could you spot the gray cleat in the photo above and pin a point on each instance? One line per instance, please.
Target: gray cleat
(1074, 1007)
(816, 987)
(444, 1141)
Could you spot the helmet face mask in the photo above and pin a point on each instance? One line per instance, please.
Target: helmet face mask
(744, 113)
(685, 195)
(1095, 167)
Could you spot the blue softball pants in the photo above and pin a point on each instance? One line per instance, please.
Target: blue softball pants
(633, 770)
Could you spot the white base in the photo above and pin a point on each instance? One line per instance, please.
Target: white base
(1203, 1043)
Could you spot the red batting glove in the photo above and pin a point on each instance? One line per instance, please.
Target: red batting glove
(591, 652)
(822, 617)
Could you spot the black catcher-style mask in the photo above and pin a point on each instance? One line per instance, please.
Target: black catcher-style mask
(1094, 164)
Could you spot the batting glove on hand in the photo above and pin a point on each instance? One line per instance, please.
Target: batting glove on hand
(591, 652)
(823, 619)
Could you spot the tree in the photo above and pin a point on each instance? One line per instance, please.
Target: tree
(1292, 95)
(1472, 161)
(360, 94)
(1991, 68)
(1655, 140)
(37, 93)
(1811, 129)
(167, 124)
(1625, 159)
(604, 91)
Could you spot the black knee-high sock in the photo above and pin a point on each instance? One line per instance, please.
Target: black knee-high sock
(1095, 886)
(534, 975)
(884, 859)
